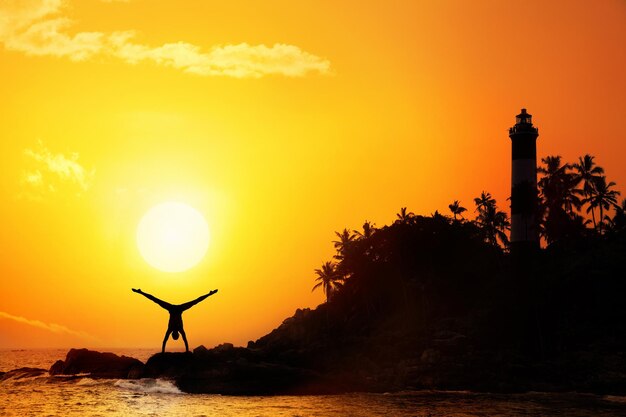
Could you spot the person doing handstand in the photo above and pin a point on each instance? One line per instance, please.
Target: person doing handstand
(175, 324)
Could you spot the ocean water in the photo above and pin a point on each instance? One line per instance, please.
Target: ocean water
(43, 395)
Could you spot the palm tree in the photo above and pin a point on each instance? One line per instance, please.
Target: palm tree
(346, 237)
(485, 200)
(494, 224)
(456, 209)
(553, 166)
(404, 217)
(579, 222)
(368, 230)
(603, 197)
(558, 185)
(618, 222)
(559, 198)
(438, 216)
(610, 222)
(328, 279)
(587, 172)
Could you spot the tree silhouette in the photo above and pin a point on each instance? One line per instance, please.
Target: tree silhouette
(456, 209)
(395, 268)
(558, 185)
(493, 222)
(368, 230)
(346, 237)
(559, 198)
(404, 217)
(602, 197)
(438, 216)
(586, 172)
(328, 278)
(485, 200)
(618, 221)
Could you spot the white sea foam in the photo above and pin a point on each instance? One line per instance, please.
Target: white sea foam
(615, 398)
(72, 376)
(89, 382)
(148, 385)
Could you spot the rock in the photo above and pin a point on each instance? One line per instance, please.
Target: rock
(136, 372)
(430, 356)
(222, 353)
(169, 365)
(229, 370)
(224, 347)
(57, 368)
(200, 350)
(448, 336)
(97, 364)
(244, 378)
(22, 373)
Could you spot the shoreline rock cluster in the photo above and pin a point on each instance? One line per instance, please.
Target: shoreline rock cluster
(230, 370)
(224, 369)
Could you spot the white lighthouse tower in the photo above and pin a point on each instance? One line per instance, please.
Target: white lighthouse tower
(524, 230)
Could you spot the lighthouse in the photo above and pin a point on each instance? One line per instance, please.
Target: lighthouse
(524, 230)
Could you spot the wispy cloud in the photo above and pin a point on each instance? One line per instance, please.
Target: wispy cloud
(37, 27)
(17, 15)
(52, 327)
(239, 61)
(47, 38)
(51, 171)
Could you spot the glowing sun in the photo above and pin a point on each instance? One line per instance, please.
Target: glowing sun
(173, 237)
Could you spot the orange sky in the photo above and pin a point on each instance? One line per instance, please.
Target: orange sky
(281, 122)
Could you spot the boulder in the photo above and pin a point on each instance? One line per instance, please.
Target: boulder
(230, 370)
(96, 364)
(224, 348)
(22, 373)
(169, 365)
(57, 368)
(200, 350)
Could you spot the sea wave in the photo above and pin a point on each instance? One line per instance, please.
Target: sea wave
(91, 382)
(428, 392)
(615, 398)
(73, 376)
(148, 385)
(30, 376)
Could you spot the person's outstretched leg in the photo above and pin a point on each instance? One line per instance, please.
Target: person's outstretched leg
(182, 332)
(167, 335)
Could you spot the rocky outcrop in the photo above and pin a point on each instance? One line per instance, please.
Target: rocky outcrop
(447, 363)
(97, 365)
(229, 370)
(224, 369)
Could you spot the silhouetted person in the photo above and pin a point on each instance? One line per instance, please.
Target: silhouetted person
(175, 324)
